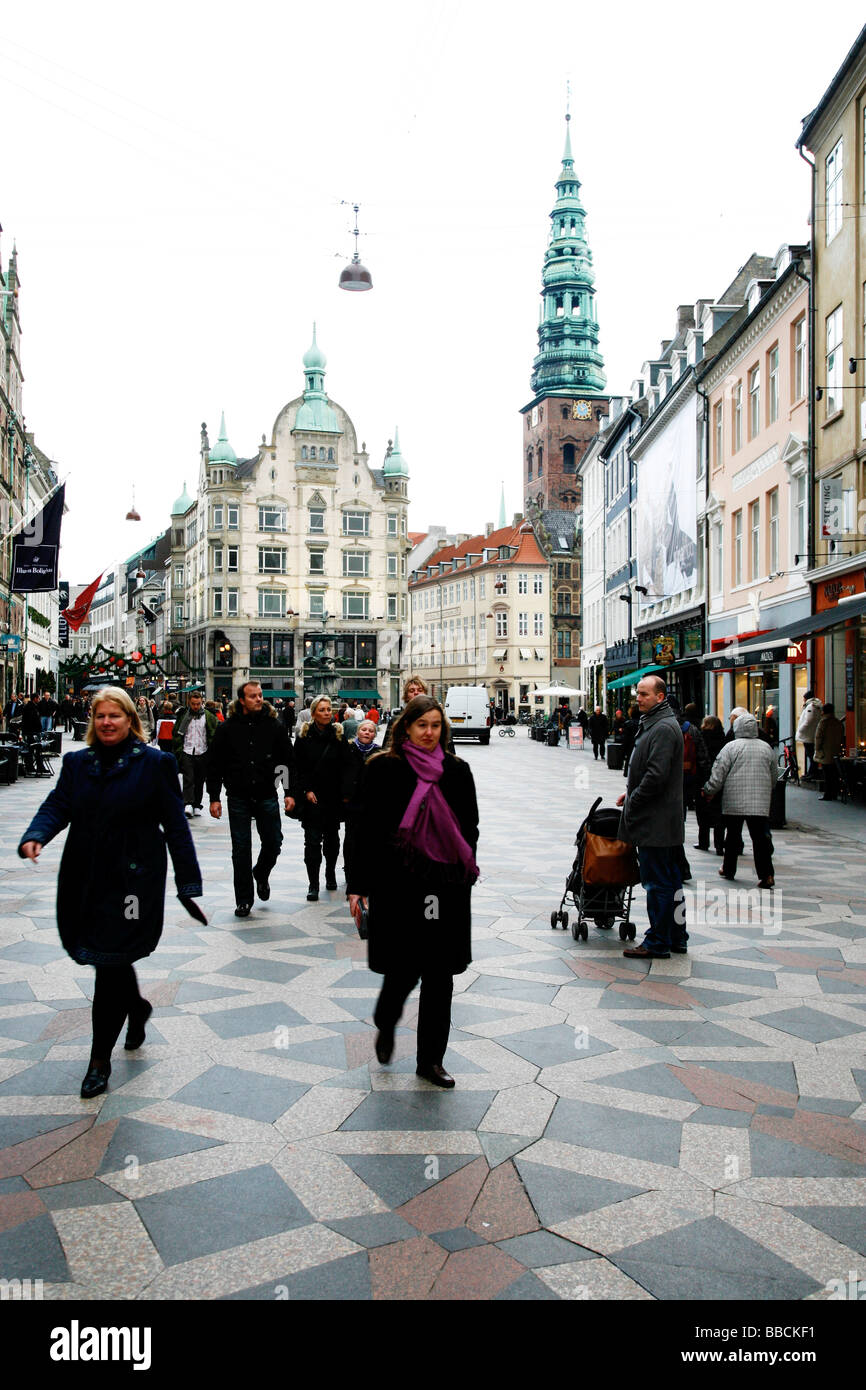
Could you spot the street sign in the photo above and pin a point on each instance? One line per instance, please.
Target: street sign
(11, 642)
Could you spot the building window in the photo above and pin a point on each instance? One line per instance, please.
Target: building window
(568, 458)
(392, 523)
(233, 516)
(392, 607)
(317, 520)
(356, 564)
(260, 649)
(217, 521)
(833, 187)
(272, 603)
(738, 548)
(773, 531)
(317, 562)
(718, 558)
(272, 561)
(232, 558)
(356, 523)
(755, 539)
(738, 417)
(232, 603)
(800, 516)
(523, 583)
(773, 385)
(217, 603)
(482, 585)
(391, 566)
(178, 615)
(540, 460)
(718, 419)
(523, 624)
(178, 571)
(501, 624)
(538, 625)
(529, 464)
(563, 602)
(754, 402)
(355, 604)
(317, 604)
(834, 361)
(538, 583)
(563, 644)
(501, 585)
(283, 654)
(798, 373)
(272, 518)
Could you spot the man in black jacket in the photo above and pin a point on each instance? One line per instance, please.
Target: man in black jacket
(599, 728)
(251, 755)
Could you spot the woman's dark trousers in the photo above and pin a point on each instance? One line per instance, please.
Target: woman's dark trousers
(321, 832)
(115, 998)
(434, 1010)
(762, 844)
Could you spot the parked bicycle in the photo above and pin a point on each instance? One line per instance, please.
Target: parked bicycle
(788, 762)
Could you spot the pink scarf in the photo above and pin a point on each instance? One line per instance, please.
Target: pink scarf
(429, 827)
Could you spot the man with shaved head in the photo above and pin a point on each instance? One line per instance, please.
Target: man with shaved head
(652, 819)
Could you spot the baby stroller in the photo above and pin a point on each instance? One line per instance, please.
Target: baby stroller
(601, 879)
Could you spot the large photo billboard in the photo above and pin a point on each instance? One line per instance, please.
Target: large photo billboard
(667, 525)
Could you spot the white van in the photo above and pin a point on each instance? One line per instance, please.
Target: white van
(467, 710)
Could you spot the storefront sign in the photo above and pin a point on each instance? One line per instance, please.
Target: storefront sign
(575, 735)
(849, 682)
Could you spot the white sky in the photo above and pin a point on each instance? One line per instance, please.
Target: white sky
(173, 177)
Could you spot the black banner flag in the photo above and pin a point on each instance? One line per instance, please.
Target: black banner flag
(36, 548)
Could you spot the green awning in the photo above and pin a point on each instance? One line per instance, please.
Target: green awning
(280, 694)
(634, 676)
(359, 695)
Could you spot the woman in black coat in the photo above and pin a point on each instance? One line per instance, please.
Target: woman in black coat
(121, 801)
(321, 762)
(415, 863)
(709, 813)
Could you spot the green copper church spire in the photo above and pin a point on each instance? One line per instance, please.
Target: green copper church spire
(568, 360)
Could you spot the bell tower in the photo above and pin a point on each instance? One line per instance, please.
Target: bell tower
(568, 381)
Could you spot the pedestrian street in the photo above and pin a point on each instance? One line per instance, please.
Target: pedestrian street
(690, 1128)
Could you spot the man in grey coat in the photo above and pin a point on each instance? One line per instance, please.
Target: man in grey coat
(745, 772)
(652, 819)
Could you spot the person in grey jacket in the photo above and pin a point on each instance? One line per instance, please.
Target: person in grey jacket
(652, 819)
(810, 718)
(745, 773)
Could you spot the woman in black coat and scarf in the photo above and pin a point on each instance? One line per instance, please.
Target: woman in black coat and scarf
(121, 801)
(417, 834)
(321, 761)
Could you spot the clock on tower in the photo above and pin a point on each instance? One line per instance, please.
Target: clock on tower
(581, 410)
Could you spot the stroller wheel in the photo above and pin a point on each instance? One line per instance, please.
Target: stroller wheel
(604, 923)
(631, 929)
(575, 929)
(554, 920)
(563, 917)
(584, 932)
(623, 931)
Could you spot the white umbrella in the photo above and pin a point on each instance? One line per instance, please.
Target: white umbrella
(558, 689)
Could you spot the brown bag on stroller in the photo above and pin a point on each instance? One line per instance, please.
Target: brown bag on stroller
(609, 863)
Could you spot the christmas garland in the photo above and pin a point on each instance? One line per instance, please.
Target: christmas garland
(102, 661)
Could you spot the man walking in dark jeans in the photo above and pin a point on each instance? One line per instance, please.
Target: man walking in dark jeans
(652, 819)
(599, 728)
(251, 755)
(193, 735)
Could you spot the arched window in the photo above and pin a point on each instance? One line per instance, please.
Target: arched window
(565, 412)
(529, 464)
(540, 460)
(568, 458)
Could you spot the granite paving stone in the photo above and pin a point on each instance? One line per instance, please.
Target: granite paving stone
(240, 1093)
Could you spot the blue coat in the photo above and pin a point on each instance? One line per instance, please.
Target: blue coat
(111, 885)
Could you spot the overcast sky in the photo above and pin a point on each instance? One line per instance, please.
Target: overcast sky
(173, 177)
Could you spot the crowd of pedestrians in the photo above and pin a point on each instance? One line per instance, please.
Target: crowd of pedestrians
(408, 814)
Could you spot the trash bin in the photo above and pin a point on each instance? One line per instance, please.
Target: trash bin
(615, 756)
(777, 806)
(54, 741)
(553, 738)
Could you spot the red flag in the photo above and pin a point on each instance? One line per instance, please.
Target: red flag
(77, 614)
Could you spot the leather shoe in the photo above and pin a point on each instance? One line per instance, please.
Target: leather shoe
(641, 953)
(331, 885)
(263, 888)
(730, 877)
(313, 895)
(135, 1031)
(437, 1076)
(243, 909)
(385, 1045)
(767, 882)
(96, 1081)
(680, 950)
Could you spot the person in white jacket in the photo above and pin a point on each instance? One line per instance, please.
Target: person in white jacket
(745, 772)
(810, 716)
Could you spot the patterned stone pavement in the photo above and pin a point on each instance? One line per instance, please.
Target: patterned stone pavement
(690, 1130)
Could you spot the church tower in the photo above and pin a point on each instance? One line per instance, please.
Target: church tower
(568, 380)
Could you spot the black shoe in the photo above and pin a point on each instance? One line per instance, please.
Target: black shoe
(96, 1080)
(243, 909)
(263, 888)
(438, 1076)
(705, 848)
(680, 950)
(385, 1045)
(135, 1031)
(313, 895)
(331, 885)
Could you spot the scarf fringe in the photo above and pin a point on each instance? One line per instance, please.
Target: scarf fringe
(421, 864)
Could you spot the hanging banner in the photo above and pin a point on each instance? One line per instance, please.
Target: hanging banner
(62, 624)
(77, 615)
(35, 549)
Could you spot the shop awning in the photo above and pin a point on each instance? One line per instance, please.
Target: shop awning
(358, 695)
(525, 654)
(500, 653)
(772, 649)
(633, 677)
(832, 617)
